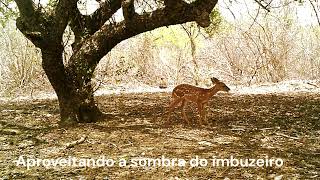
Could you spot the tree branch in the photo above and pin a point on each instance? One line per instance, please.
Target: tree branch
(109, 35)
(29, 20)
(172, 4)
(64, 10)
(128, 10)
(81, 24)
(264, 7)
(315, 11)
(105, 12)
(26, 7)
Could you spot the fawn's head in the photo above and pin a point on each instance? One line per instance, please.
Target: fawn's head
(220, 85)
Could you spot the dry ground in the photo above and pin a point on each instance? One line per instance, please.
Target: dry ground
(245, 126)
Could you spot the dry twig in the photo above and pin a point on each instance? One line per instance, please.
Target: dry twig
(79, 141)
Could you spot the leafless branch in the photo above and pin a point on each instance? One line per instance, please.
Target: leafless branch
(263, 6)
(79, 141)
(315, 11)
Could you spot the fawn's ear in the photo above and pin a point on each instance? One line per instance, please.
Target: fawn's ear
(214, 80)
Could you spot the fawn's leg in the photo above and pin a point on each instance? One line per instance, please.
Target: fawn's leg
(172, 106)
(200, 111)
(204, 113)
(183, 112)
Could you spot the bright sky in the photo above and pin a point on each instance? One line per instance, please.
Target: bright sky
(306, 15)
(304, 12)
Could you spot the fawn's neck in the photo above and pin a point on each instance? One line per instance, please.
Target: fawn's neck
(213, 90)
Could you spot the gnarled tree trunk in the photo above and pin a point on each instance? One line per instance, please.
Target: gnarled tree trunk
(75, 97)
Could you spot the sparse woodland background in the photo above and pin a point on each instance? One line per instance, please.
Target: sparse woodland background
(258, 48)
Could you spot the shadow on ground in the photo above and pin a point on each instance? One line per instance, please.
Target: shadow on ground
(270, 126)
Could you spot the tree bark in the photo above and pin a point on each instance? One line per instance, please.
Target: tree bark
(76, 101)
